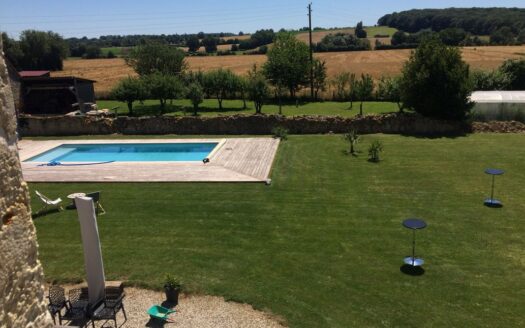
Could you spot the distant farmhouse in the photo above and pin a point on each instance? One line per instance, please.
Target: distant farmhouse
(37, 93)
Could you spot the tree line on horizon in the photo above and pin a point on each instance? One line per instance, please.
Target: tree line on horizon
(476, 21)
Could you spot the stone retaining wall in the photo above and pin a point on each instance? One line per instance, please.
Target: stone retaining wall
(237, 124)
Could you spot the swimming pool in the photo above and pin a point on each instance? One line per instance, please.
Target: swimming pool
(127, 152)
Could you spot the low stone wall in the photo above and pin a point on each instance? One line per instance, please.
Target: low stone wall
(237, 124)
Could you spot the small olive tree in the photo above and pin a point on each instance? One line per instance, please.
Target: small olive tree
(363, 90)
(319, 77)
(257, 88)
(389, 89)
(353, 139)
(196, 96)
(163, 88)
(220, 83)
(129, 90)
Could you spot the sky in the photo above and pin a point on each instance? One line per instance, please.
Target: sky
(109, 17)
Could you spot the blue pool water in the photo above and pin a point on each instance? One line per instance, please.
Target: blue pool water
(166, 152)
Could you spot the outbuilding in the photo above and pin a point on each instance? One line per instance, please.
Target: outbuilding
(46, 95)
(499, 105)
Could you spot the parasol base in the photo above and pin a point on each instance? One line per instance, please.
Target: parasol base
(413, 261)
(490, 202)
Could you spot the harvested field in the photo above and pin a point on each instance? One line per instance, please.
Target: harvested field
(238, 37)
(317, 36)
(377, 63)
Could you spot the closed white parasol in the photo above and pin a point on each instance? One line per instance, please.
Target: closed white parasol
(92, 252)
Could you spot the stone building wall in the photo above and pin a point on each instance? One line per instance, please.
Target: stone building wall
(22, 301)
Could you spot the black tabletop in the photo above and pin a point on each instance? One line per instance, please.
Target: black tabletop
(414, 224)
(494, 171)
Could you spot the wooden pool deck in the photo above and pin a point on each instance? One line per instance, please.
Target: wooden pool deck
(233, 160)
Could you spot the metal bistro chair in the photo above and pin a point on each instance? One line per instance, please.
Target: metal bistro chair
(77, 308)
(96, 199)
(108, 310)
(57, 301)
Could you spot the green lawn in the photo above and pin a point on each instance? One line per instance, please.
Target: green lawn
(210, 107)
(323, 245)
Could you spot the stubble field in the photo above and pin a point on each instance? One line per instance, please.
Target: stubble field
(107, 72)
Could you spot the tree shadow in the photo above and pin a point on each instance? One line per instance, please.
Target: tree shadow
(455, 135)
(218, 110)
(412, 270)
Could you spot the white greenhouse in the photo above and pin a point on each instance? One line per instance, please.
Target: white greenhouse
(499, 105)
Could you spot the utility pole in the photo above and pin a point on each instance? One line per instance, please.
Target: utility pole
(311, 51)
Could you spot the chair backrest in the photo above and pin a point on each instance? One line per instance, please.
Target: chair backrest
(42, 197)
(94, 195)
(57, 295)
(74, 295)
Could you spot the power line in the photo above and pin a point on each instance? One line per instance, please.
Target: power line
(186, 18)
(169, 25)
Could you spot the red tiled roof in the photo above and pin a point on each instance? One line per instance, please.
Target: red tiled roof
(33, 73)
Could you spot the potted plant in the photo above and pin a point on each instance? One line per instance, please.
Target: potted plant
(172, 288)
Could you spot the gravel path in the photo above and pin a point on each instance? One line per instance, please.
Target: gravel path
(192, 311)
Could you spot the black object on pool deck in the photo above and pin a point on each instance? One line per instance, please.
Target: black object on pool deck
(491, 202)
(414, 224)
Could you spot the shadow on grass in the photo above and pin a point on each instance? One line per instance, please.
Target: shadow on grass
(458, 134)
(44, 213)
(412, 270)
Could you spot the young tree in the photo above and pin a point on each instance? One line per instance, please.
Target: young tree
(352, 89)
(435, 81)
(220, 83)
(243, 88)
(129, 90)
(353, 139)
(196, 95)
(360, 31)
(163, 88)
(340, 83)
(193, 43)
(388, 89)
(156, 57)
(319, 77)
(364, 90)
(257, 88)
(288, 63)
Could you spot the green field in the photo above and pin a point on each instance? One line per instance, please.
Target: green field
(323, 245)
(117, 51)
(210, 107)
(382, 30)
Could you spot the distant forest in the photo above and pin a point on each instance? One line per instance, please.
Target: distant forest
(478, 21)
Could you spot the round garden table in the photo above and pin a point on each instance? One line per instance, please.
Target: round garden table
(73, 196)
(492, 202)
(414, 224)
